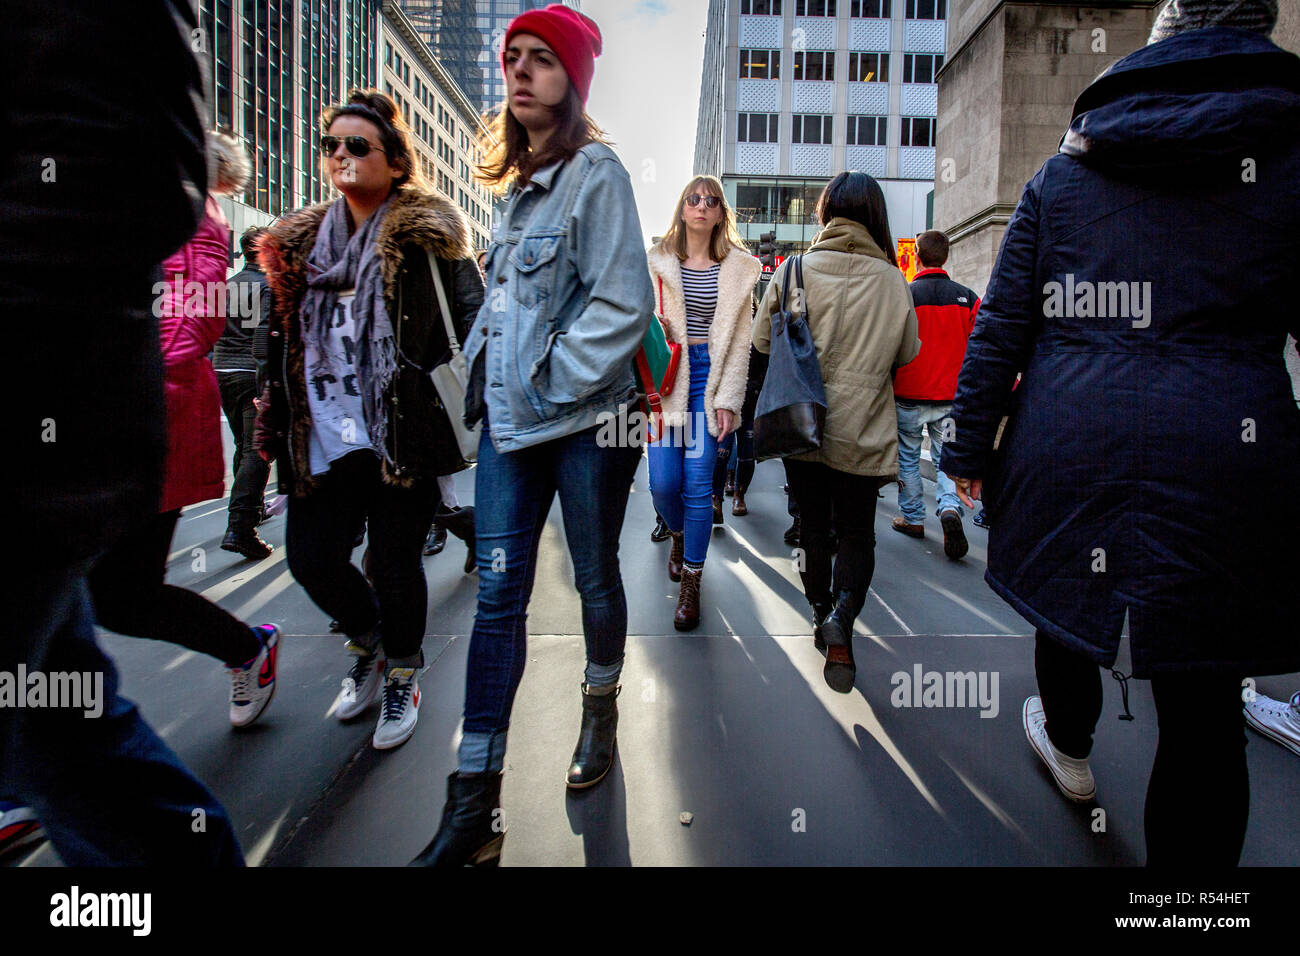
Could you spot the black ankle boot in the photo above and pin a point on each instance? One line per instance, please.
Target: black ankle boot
(837, 634)
(461, 523)
(820, 612)
(471, 832)
(594, 754)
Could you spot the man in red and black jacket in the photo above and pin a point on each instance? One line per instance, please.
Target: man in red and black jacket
(924, 390)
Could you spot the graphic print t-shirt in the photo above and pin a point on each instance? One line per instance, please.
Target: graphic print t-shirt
(333, 392)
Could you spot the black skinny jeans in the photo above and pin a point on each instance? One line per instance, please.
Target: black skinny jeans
(829, 498)
(1198, 797)
(238, 389)
(126, 587)
(320, 534)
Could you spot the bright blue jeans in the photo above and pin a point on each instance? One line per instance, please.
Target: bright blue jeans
(513, 493)
(106, 789)
(911, 496)
(681, 467)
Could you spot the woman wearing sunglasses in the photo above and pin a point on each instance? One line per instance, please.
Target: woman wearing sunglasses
(706, 278)
(551, 359)
(354, 419)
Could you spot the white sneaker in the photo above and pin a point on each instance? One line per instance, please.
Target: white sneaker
(253, 685)
(1072, 775)
(1277, 719)
(399, 710)
(361, 685)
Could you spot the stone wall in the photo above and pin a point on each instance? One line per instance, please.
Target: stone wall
(1005, 100)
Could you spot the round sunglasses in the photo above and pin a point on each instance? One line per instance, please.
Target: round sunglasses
(358, 146)
(711, 202)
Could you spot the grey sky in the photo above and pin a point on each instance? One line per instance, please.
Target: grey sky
(646, 94)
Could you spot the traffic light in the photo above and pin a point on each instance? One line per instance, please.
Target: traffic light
(767, 250)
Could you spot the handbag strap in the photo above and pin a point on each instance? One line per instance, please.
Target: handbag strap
(442, 303)
(661, 295)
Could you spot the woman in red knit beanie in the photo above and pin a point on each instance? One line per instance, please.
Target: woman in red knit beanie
(550, 359)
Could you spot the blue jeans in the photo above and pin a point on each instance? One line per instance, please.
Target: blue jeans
(681, 467)
(107, 790)
(513, 493)
(911, 496)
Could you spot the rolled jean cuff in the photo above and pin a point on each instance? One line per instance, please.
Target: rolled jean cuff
(482, 752)
(602, 675)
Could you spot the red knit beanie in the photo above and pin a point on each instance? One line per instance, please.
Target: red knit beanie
(574, 38)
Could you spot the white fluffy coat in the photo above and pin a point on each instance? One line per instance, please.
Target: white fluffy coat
(728, 335)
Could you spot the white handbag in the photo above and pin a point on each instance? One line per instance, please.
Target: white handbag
(451, 378)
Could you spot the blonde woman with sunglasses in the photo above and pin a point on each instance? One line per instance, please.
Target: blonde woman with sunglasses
(703, 278)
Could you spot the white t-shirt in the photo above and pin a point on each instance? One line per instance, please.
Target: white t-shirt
(333, 393)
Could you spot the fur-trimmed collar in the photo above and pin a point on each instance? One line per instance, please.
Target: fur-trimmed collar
(415, 217)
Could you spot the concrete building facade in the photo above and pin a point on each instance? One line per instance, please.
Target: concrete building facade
(1006, 93)
(795, 91)
(445, 124)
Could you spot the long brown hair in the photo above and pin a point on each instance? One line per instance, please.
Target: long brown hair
(506, 154)
(394, 133)
(725, 234)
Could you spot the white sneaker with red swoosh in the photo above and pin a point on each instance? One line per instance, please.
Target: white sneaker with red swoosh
(400, 708)
(253, 685)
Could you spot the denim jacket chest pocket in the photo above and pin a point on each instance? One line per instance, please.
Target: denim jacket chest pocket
(533, 262)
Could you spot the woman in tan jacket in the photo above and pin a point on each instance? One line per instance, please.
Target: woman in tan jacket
(859, 310)
(703, 277)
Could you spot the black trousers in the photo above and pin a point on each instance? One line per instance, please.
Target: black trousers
(238, 389)
(320, 534)
(828, 499)
(127, 589)
(1198, 797)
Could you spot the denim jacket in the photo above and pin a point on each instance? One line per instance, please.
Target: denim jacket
(568, 301)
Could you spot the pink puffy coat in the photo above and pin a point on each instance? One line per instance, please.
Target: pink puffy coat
(191, 321)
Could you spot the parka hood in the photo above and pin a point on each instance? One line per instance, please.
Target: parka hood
(1196, 102)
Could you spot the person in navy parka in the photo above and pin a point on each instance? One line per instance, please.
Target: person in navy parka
(1145, 287)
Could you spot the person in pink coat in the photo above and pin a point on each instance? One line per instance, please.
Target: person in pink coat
(126, 583)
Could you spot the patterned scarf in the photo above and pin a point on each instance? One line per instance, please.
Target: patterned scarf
(337, 263)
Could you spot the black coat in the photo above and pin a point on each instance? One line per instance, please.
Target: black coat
(1152, 450)
(102, 176)
(421, 444)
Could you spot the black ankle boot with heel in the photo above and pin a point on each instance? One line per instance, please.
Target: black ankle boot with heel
(594, 754)
(472, 831)
(837, 635)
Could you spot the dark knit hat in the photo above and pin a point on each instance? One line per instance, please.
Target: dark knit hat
(574, 38)
(1179, 16)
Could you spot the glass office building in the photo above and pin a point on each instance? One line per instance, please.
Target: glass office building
(275, 65)
(795, 91)
(466, 35)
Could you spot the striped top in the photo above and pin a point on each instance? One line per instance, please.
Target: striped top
(700, 288)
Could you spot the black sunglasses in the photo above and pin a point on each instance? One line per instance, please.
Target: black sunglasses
(712, 202)
(358, 146)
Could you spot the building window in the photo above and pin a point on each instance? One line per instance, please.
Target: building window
(869, 67)
(870, 9)
(814, 8)
(927, 9)
(760, 64)
(388, 54)
(761, 7)
(756, 128)
(811, 129)
(814, 66)
(921, 67)
(917, 131)
(867, 130)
